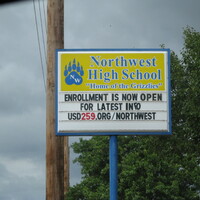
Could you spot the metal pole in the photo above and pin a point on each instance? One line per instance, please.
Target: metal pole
(113, 152)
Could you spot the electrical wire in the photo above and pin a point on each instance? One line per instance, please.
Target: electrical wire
(44, 12)
(39, 46)
(43, 40)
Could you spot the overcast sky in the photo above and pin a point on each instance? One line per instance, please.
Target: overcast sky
(88, 24)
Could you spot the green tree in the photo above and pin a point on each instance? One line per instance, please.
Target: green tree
(153, 167)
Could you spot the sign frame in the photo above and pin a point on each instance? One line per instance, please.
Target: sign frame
(125, 133)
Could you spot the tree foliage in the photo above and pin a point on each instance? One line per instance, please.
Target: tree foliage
(153, 167)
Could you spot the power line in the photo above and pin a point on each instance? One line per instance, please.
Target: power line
(43, 40)
(44, 12)
(39, 46)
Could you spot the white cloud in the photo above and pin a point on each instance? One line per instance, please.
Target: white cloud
(20, 179)
(21, 90)
(128, 24)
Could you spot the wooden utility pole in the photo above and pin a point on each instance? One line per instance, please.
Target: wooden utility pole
(56, 151)
(66, 164)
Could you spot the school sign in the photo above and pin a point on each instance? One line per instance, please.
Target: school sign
(113, 92)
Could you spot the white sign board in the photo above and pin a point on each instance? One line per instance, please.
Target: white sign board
(113, 92)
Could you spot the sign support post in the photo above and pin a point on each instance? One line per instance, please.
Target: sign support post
(113, 154)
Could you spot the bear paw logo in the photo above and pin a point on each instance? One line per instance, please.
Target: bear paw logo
(73, 73)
